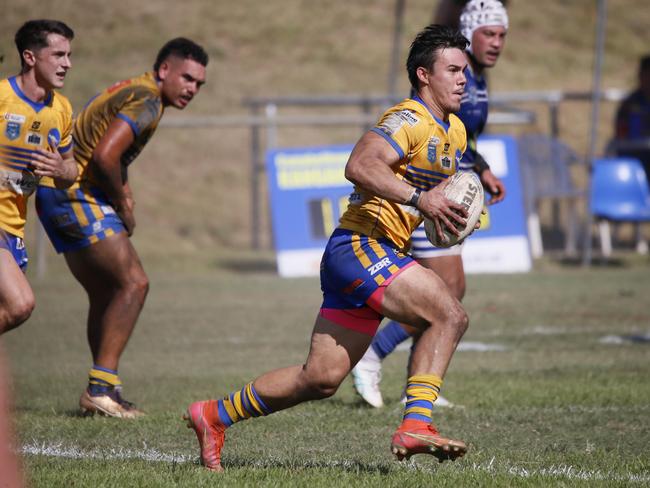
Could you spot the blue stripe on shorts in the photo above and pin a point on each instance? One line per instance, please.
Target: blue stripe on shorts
(346, 281)
(56, 210)
(16, 246)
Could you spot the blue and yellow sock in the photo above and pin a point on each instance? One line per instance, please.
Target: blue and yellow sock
(388, 338)
(421, 392)
(101, 380)
(241, 405)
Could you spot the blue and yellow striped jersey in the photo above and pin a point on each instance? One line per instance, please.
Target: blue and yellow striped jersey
(429, 150)
(26, 126)
(136, 101)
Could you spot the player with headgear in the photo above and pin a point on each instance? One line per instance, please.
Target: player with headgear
(485, 24)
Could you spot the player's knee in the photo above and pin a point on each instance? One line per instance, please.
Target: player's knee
(324, 384)
(459, 319)
(18, 312)
(138, 284)
(320, 391)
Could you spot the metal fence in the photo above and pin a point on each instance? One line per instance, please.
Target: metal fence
(264, 119)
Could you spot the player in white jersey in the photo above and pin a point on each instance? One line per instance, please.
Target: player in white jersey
(484, 23)
(35, 143)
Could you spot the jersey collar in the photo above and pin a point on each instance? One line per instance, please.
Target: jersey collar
(445, 125)
(37, 106)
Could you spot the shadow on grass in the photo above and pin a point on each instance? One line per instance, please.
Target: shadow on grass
(596, 262)
(252, 265)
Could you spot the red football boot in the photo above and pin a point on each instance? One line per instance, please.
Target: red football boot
(203, 417)
(419, 437)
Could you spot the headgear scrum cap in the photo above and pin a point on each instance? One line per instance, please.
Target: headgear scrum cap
(479, 13)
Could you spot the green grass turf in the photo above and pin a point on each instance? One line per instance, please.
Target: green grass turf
(556, 407)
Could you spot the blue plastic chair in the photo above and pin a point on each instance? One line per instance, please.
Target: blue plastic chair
(619, 190)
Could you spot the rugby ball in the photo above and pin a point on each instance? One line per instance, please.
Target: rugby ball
(466, 189)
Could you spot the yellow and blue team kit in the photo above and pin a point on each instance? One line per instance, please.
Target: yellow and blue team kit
(26, 126)
(82, 215)
(367, 250)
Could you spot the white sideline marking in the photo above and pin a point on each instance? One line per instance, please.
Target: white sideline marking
(493, 466)
(74, 452)
(462, 346)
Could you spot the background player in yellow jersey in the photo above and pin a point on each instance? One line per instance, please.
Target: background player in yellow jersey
(91, 222)
(398, 169)
(35, 142)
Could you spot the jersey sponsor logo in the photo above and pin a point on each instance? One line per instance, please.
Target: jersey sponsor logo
(375, 268)
(118, 85)
(33, 138)
(23, 183)
(469, 196)
(391, 124)
(394, 122)
(36, 125)
(19, 119)
(445, 161)
(408, 117)
(54, 137)
(432, 149)
(12, 131)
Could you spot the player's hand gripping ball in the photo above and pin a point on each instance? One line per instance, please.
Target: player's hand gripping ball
(465, 189)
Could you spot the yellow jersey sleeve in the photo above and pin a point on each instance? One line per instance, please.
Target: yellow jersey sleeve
(404, 128)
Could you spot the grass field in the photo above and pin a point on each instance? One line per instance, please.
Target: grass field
(556, 406)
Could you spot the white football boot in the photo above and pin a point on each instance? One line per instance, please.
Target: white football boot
(367, 375)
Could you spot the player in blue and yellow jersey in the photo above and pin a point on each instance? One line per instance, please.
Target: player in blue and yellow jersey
(35, 144)
(91, 222)
(485, 24)
(399, 170)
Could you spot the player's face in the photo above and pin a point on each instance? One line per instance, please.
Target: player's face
(181, 80)
(51, 63)
(446, 82)
(487, 44)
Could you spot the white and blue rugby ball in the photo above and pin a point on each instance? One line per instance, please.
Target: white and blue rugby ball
(466, 189)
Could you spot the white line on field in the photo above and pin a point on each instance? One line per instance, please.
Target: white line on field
(462, 346)
(493, 466)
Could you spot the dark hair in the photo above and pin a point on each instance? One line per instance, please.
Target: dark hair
(644, 64)
(33, 35)
(425, 47)
(182, 48)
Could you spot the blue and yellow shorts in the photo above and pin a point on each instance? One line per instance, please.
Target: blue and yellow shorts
(355, 271)
(16, 246)
(76, 218)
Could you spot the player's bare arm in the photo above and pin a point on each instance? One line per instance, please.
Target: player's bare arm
(107, 162)
(369, 167)
(494, 186)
